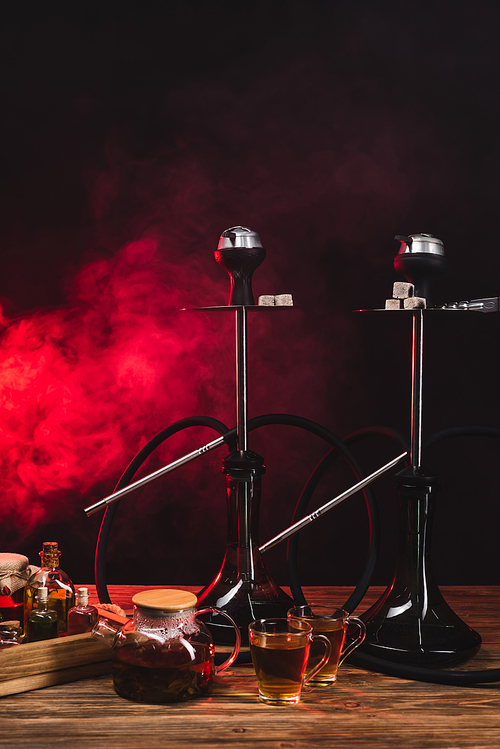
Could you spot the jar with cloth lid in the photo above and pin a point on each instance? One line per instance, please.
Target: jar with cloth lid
(15, 571)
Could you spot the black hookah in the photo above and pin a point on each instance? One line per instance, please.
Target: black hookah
(411, 630)
(413, 603)
(412, 623)
(243, 587)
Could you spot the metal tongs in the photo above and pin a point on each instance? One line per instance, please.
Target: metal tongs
(488, 304)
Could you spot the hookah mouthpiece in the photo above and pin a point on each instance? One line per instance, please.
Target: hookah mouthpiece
(240, 252)
(420, 259)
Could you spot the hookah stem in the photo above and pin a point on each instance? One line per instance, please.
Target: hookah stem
(245, 541)
(241, 378)
(416, 395)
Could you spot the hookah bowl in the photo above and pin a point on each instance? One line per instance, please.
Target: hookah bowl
(412, 623)
(420, 260)
(240, 252)
(243, 589)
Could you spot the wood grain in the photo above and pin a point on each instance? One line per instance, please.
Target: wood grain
(43, 664)
(362, 710)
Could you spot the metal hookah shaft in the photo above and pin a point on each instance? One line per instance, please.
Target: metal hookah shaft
(420, 259)
(241, 379)
(416, 393)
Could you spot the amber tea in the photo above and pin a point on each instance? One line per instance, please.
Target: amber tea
(335, 631)
(280, 653)
(333, 626)
(280, 669)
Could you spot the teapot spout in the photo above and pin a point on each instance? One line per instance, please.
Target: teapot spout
(108, 632)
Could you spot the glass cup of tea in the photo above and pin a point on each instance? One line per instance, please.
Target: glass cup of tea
(334, 626)
(280, 653)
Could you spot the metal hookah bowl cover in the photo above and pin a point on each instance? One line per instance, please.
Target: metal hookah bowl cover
(237, 237)
(420, 243)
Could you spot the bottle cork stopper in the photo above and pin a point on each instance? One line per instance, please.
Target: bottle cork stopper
(165, 599)
(50, 554)
(83, 596)
(49, 546)
(43, 594)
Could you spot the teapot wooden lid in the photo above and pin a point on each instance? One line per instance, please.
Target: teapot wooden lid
(165, 599)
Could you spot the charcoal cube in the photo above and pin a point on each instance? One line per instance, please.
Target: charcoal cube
(402, 290)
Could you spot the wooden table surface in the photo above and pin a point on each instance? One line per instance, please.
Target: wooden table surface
(362, 709)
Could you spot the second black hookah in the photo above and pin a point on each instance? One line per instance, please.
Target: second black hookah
(412, 623)
(411, 630)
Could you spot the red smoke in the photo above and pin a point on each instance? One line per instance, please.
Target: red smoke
(83, 387)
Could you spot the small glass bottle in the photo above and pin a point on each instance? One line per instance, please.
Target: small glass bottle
(61, 589)
(82, 617)
(42, 621)
(10, 634)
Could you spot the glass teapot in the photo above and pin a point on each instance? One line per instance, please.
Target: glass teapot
(163, 654)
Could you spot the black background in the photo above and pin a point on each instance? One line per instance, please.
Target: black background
(328, 127)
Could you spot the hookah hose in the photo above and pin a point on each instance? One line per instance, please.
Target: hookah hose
(369, 662)
(230, 438)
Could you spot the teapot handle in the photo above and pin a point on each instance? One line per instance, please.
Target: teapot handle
(236, 648)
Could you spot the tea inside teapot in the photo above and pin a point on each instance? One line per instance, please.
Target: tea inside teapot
(163, 654)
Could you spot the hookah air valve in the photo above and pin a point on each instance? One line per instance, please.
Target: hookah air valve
(240, 252)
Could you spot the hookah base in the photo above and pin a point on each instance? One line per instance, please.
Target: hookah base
(420, 644)
(411, 623)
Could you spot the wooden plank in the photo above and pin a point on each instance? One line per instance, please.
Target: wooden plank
(50, 678)
(36, 664)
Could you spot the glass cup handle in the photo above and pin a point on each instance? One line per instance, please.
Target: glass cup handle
(236, 648)
(328, 651)
(355, 643)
